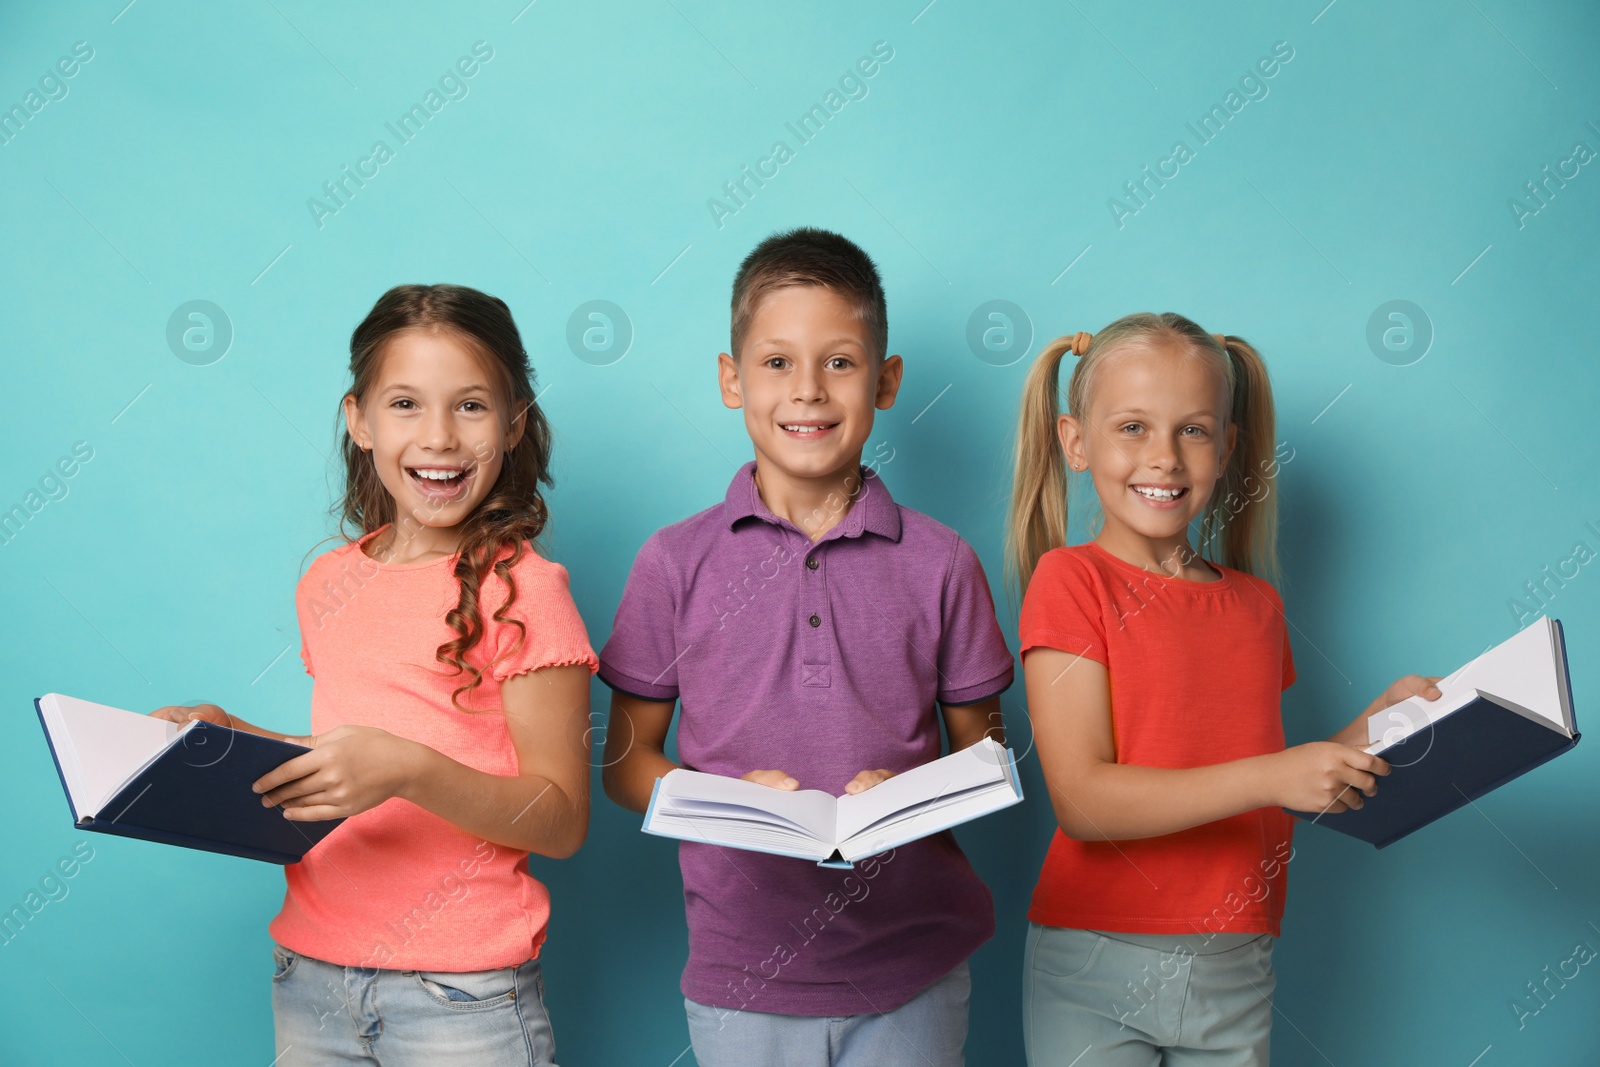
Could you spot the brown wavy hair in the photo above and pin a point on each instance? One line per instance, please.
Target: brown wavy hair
(513, 515)
(1238, 529)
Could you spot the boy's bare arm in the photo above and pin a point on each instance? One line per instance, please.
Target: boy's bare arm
(967, 724)
(635, 736)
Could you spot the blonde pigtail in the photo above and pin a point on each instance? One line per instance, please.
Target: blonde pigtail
(1038, 518)
(1241, 521)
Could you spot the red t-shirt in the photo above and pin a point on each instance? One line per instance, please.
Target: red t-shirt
(1196, 670)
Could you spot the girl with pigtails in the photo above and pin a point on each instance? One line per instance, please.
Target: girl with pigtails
(1154, 670)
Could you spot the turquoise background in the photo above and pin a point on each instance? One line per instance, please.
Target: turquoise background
(1420, 500)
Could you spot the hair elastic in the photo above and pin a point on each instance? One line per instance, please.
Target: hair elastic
(1078, 343)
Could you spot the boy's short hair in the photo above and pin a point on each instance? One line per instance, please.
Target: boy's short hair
(810, 256)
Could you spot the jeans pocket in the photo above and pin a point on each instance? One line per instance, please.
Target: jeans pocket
(284, 961)
(469, 990)
(1067, 953)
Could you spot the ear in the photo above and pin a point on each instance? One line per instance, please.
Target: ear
(1069, 432)
(1232, 440)
(519, 425)
(354, 425)
(889, 376)
(728, 381)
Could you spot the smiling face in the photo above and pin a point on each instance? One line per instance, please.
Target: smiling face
(1155, 440)
(437, 428)
(808, 383)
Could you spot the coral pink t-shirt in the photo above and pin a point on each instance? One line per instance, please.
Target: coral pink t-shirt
(397, 886)
(1196, 670)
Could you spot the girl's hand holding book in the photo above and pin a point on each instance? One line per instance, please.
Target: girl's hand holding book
(180, 714)
(349, 769)
(1325, 776)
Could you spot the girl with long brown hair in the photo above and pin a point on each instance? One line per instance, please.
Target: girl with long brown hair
(448, 713)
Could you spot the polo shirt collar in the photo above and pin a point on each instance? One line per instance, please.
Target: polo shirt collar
(874, 510)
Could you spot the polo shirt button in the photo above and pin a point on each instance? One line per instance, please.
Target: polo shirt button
(811, 563)
(815, 620)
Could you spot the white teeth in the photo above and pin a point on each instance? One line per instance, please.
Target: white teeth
(435, 475)
(1157, 494)
(803, 429)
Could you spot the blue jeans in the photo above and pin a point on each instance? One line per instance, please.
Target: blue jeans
(327, 1014)
(929, 1030)
(1097, 999)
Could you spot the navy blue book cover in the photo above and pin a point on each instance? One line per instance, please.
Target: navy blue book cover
(1471, 751)
(197, 795)
(1455, 760)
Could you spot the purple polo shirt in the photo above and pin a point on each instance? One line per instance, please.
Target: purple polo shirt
(821, 660)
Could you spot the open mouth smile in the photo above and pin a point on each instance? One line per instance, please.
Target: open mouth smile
(1161, 496)
(809, 430)
(442, 484)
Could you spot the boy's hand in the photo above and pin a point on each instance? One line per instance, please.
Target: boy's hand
(866, 780)
(180, 714)
(1325, 777)
(349, 769)
(774, 779)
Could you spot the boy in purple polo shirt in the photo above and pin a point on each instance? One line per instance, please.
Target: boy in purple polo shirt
(815, 632)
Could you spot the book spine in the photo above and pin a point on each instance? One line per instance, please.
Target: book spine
(166, 837)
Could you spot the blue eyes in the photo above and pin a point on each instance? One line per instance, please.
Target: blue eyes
(1200, 431)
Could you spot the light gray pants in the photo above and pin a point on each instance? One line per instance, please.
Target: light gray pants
(1096, 999)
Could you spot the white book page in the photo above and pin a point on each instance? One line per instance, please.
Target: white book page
(957, 773)
(894, 832)
(1521, 669)
(711, 794)
(100, 747)
(779, 838)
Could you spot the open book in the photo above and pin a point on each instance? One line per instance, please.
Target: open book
(137, 776)
(835, 831)
(1497, 717)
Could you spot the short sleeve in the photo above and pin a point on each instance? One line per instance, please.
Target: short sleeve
(307, 615)
(974, 662)
(551, 634)
(1061, 608)
(640, 658)
(1288, 660)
